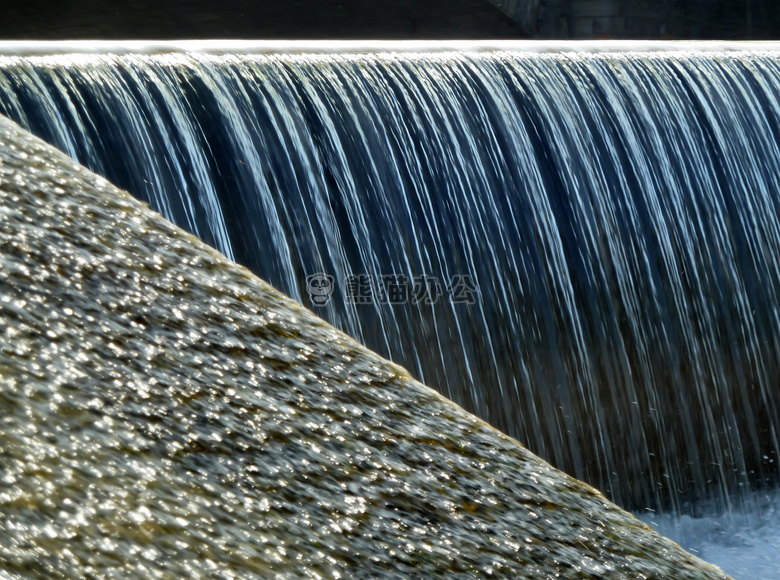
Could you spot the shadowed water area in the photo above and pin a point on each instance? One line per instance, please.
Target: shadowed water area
(164, 413)
(616, 211)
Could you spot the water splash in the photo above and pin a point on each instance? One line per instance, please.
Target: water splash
(616, 210)
(745, 543)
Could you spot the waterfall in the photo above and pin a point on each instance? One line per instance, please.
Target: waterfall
(614, 213)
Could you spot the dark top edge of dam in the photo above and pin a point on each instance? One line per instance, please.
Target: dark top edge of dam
(390, 19)
(250, 19)
(370, 46)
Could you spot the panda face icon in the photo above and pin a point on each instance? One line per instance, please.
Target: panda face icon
(320, 287)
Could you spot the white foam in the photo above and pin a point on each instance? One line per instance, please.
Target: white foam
(29, 48)
(745, 543)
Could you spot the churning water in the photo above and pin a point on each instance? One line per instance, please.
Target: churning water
(745, 543)
(616, 211)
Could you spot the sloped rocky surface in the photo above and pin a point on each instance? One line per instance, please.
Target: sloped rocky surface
(166, 414)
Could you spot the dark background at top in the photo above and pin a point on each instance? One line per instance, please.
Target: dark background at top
(727, 19)
(382, 19)
(292, 19)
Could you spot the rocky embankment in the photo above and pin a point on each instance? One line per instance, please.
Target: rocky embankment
(166, 414)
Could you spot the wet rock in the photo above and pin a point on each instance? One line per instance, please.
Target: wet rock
(166, 414)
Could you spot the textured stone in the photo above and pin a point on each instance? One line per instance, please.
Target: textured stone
(583, 28)
(166, 414)
(613, 27)
(599, 8)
